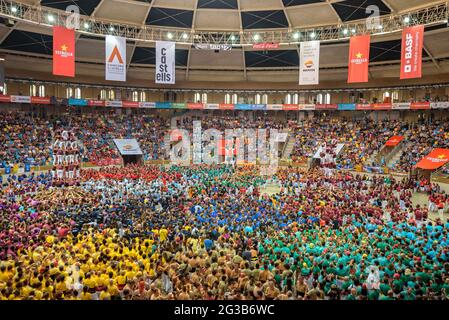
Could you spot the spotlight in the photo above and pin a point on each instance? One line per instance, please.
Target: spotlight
(50, 18)
(256, 37)
(296, 35)
(232, 38)
(185, 36)
(86, 25)
(353, 31)
(170, 35)
(406, 20)
(380, 27)
(313, 35)
(14, 9)
(345, 31)
(111, 29)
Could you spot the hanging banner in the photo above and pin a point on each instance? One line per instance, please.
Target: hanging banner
(113, 104)
(40, 100)
(21, 99)
(309, 65)
(394, 141)
(165, 62)
(96, 103)
(274, 106)
(213, 47)
(347, 107)
(307, 107)
(434, 160)
(420, 106)
(130, 104)
(63, 52)
(4, 98)
(439, 105)
(382, 106)
(212, 106)
(401, 106)
(364, 107)
(411, 56)
(359, 49)
(147, 105)
(115, 58)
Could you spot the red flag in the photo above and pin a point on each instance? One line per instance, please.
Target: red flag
(359, 59)
(63, 52)
(411, 56)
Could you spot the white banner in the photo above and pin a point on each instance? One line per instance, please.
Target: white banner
(165, 62)
(114, 104)
(307, 107)
(148, 105)
(128, 146)
(401, 106)
(274, 106)
(115, 58)
(215, 47)
(439, 105)
(212, 106)
(21, 99)
(309, 64)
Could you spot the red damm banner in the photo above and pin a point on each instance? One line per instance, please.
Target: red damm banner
(411, 56)
(359, 49)
(63, 52)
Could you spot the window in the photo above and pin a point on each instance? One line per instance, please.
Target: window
(204, 98)
(69, 93)
(257, 99)
(265, 99)
(295, 99)
(288, 98)
(386, 95)
(4, 89)
(111, 94)
(327, 100)
(135, 96)
(143, 96)
(235, 98)
(227, 99)
(78, 93)
(41, 91)
(33, 90)
(103, 94)
(197, 97)
(319, 98)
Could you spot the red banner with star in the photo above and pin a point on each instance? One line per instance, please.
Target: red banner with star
(434, 160)
(359, 49)
(63, 52)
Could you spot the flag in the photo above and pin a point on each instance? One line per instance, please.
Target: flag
(115, 58)
(63, 52)
(309, 70)
(359, 49)
(165, 62)
(411, 55)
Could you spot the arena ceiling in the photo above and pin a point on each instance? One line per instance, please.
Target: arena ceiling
(33, 42)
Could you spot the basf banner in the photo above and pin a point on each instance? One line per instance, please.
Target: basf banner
(411, 53)
(309, 65)
(128, 147)
(165, 62)
(115, 58)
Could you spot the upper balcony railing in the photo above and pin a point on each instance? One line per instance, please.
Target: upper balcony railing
(36, 14)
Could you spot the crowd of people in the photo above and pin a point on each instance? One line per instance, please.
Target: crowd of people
(213, 232)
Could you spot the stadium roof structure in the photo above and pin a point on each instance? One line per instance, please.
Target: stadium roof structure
(25, 35)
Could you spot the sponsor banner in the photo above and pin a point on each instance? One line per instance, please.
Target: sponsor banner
(195, 106)
(165, 62)
(115, 58)
(290, 107)
(309, 65)
(307, 107)
(439, 105)
(21, 99)
(420, 106)
(63, 52)
(347, 107)
(163, 105)
(40, 100)
(114, 104)
(130, 104)
(214, 47)
(179, 106)
(242, 106)
(224, 106)
(434, 160)
(394, 141)
(4, 98)
(364, 107)
(212, 106)
(266, 46)
(382, 106)
(96, 103)
(274, 106)
(147, 105)
(77, 102)
(326, 107)
(359, 49)
(401, 106)
(411, 53)
(128, 147)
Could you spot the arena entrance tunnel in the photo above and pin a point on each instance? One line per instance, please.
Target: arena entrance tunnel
(132, 159)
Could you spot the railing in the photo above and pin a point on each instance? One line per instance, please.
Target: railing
(33, 14)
